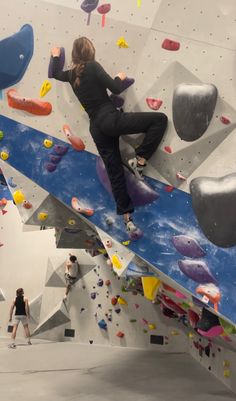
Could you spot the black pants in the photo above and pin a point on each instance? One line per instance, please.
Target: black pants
(106, 128)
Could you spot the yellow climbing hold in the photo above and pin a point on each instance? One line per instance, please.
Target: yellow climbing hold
(150, 287)
(71, 222)
(174, 333)
(4, 155)
(226, 373)
(48, 143)
(152, 326)
(122, 43)
(126, 243)
(116, 262)
(45, 88)
(190, 335)
(102, 251)
(122, 301)
(18, 197)
(226, 363)
(42, 216)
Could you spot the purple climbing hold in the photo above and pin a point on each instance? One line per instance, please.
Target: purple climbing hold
(117, 100)
(139, 191)
(118, 310)
(54, 158)
(188, 246)
(61, 62)
(102, 324)
(135, 235)
(197, 270)
(126, 83)
(100, 282)
(60, 149)
(93, 295)
(50, 167)
(88, 6)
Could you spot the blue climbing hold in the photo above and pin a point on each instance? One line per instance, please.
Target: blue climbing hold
(102, 324)
(15, 54)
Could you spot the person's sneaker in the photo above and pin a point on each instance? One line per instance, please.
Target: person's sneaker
(130, 226)
(65, 298)
(136, 168)
(13, 345)
(29, 342)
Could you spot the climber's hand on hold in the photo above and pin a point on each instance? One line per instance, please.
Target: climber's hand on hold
(121, 75)
(55, 51)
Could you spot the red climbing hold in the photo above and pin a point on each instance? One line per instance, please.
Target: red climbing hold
(114, 300)
(169, 44)
(225, 120)
(120, 334)
(154, 104)
(169, 188)
(168, 149)
(32, 106)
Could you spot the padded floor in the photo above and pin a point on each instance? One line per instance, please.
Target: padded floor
(69, 371)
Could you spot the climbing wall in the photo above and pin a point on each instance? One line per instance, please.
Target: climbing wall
(182, 66)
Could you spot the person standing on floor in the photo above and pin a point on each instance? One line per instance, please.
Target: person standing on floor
(21, 306)
(71, 273)
(90, 82)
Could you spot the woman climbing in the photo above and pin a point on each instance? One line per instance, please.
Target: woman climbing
(90, 82)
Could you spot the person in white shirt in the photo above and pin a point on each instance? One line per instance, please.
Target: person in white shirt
(71, 273)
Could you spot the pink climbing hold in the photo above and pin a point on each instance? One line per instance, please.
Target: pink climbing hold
(153, 104)
(81, 209)
(213, 332)
(225, 120)
(168, 149)
(136, 306)
(107, 283)
(104, 9)
(180, 177)
(76, 142)
(171, 45)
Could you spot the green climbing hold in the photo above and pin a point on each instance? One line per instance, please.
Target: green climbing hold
(1, 135)
(133, 320)
(145, 331)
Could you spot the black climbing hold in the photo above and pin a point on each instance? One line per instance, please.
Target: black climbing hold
(213, 201)
(193, 108)
(208, 320)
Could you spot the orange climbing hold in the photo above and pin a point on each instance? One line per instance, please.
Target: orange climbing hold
(81, 209)
(76, 142)
(32, 106)
(171, 45)
(120, 334)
